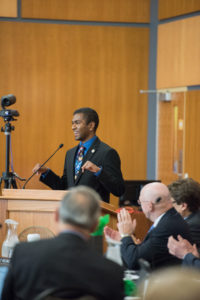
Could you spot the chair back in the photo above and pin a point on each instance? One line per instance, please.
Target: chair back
(44, 233)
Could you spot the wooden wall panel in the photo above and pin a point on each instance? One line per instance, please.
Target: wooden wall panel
(179, 53)
(192, 135)
(172, 8)
(88, 10)
(8, 8)
(55, 69)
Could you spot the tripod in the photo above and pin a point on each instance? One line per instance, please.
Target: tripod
(8, 177)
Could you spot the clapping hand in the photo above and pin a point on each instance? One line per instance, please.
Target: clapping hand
(125, 224)
(181, 247)
(113, 234)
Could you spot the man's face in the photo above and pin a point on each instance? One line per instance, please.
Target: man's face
(178, 207)
(82, 131)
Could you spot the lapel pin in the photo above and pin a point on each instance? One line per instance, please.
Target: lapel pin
(93, 150)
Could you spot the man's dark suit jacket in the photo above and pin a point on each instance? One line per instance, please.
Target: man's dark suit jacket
(154, 247)
(191, 261)
(109, 181)
(193, 221)
(64, 261)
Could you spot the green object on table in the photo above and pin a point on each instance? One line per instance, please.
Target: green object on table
(130, 288)
(103, 221)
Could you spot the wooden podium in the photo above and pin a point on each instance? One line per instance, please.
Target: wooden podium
(37, 208)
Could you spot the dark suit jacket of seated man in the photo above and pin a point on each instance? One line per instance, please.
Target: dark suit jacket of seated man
(157, 206)
(100, 166)
(191, 260)
(65, 261)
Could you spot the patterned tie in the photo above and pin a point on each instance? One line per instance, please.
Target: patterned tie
(78, 161)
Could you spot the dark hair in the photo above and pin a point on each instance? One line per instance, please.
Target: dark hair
(186, 191)
(90, 115)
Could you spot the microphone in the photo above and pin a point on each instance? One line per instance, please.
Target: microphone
(60, 146)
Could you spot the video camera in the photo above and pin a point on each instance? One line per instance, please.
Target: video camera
(8, 114)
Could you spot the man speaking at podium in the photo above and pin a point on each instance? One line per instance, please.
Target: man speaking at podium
(92, 163)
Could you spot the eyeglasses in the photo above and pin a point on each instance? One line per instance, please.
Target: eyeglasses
(139, 202)
(158, 200)
(173, 202)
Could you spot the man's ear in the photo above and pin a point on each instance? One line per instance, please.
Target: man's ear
(91, 126)
(57, 215)
(184, 206)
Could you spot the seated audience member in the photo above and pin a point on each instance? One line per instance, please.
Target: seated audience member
(182, 249)
(173, 284)
(186, 200)
(156, 204)
(65, 261)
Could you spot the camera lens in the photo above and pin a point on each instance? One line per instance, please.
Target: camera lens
(7, 100)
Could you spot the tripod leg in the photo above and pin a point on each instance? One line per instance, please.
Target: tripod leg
(8, 183)
(9, 180)
(14, 184)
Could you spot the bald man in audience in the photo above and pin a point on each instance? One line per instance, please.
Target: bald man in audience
(157, 206)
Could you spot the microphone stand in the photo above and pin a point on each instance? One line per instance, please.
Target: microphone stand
(60, 146)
